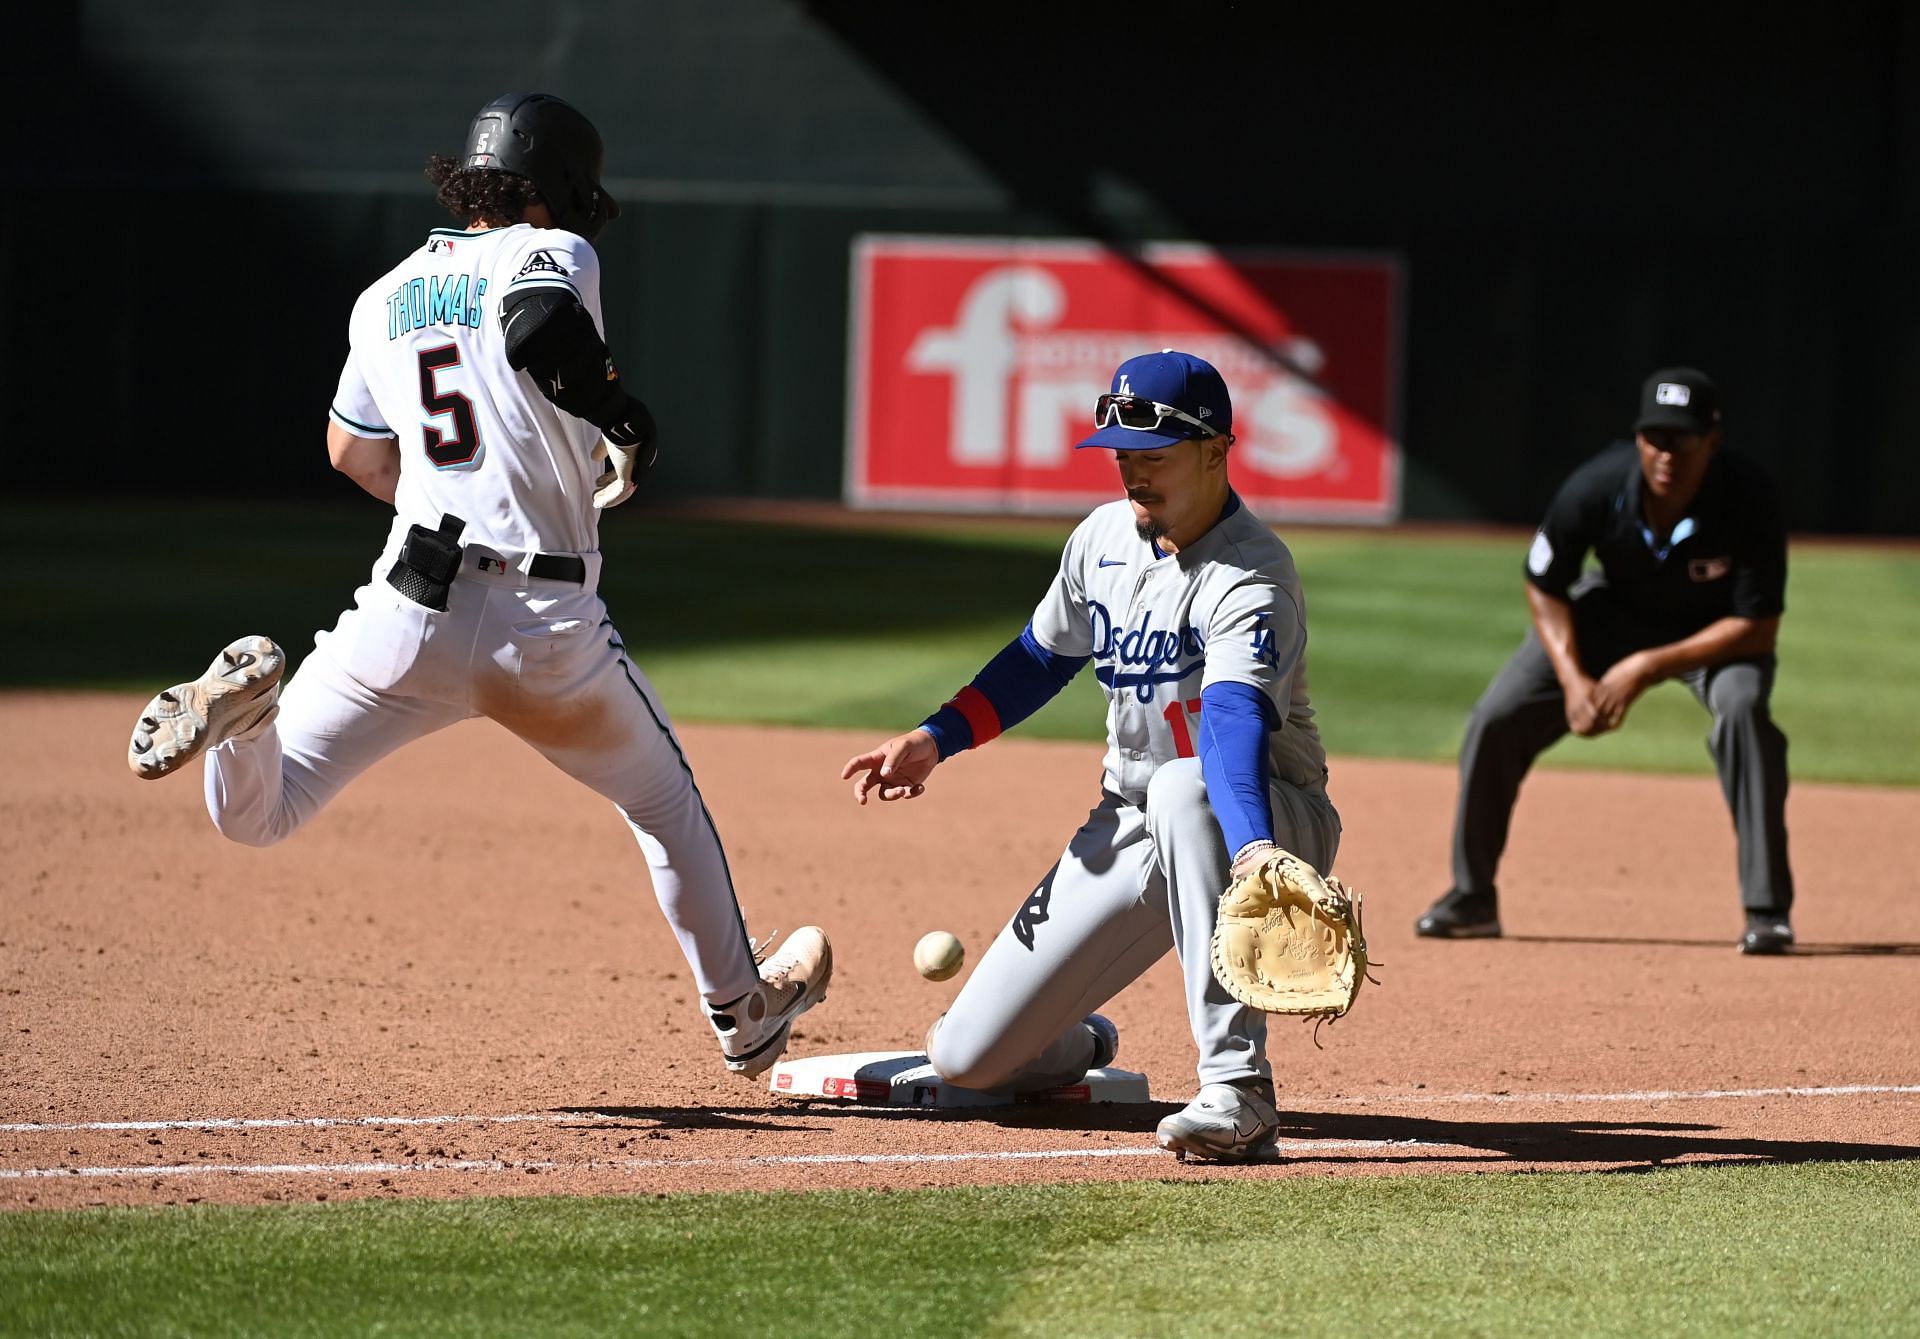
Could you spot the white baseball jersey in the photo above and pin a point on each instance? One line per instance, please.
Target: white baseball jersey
(1226, 609)
(428, 366)
(535, 651)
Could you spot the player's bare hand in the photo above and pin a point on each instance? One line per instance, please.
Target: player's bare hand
(896, 770)
(1618, 688)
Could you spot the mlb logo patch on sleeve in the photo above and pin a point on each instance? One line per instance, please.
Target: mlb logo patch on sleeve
(1709, 569)
(1540, 556)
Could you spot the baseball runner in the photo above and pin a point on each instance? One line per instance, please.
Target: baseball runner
(1190, 610)
(1692, 583)
(479, 398)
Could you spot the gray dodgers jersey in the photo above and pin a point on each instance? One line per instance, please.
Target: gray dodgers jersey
(1225, 609)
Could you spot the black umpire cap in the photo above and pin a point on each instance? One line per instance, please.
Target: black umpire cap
(1682, 398)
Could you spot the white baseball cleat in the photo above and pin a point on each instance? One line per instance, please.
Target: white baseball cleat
(1225, 1122)
(753, 1029)
(239, 692)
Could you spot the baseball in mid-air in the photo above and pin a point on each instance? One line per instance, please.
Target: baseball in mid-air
(938, 955)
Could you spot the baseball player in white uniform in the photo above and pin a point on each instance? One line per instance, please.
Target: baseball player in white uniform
(1191, 612)
(479, 399)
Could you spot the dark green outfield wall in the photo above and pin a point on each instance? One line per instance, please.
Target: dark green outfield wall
(1576, 199)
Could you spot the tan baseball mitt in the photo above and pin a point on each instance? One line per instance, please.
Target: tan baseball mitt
(1288, 941)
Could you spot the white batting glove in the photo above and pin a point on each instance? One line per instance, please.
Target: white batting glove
(616, 483)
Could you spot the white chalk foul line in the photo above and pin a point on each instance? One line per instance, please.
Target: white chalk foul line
(307, 1122)
(574, 1117)
(1648, 1095)
(1298, 1147)
(273, 1169)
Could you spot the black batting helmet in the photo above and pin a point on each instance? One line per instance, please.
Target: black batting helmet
(547, 141)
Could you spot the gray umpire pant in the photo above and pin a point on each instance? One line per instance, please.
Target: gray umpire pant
(1523, 711)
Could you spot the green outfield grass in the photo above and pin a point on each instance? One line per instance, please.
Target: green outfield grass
(1812, 1249)
(872, 629)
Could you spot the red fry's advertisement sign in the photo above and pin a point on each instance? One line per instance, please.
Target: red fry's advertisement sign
(975, 364)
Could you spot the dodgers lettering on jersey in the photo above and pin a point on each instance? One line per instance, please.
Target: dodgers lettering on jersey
(1225, 609)
(1151, 656)
(428, 367)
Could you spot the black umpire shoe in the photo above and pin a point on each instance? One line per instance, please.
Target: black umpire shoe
(1767, 932)
(1461, 915)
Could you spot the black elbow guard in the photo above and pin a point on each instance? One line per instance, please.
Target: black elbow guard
(552, 338)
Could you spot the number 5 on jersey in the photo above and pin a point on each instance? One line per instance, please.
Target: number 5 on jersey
(463, 446)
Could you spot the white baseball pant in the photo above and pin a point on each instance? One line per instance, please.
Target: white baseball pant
(540, 657)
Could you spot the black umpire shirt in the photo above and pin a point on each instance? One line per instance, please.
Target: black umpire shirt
(1726, 557)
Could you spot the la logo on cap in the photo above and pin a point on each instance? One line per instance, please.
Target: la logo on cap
(1672, 392)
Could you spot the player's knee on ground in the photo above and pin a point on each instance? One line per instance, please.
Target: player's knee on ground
(964, 1061)
(953, 1059)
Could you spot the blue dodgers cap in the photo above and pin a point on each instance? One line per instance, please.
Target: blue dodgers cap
(1169, 377)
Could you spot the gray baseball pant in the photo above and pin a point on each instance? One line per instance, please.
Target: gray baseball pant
(1132, 883)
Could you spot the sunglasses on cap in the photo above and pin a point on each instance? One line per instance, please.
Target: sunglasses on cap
(1130, 411)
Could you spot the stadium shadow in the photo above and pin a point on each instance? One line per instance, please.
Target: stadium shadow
(1636, 1145)
(1642, 1143)
(1125, 1117)
(1802, 950)
(1647, 941)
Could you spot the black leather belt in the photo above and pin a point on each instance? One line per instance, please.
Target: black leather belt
(559, 567)
(429, 558)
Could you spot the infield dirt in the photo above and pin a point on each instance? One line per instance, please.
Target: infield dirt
(466, 934)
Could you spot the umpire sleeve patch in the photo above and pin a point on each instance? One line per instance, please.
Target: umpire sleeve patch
(1540, 556)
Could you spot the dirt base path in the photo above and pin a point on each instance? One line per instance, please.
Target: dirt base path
(456, 982)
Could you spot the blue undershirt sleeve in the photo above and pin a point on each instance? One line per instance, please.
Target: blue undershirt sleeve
(1235, 720)
(1019, 681)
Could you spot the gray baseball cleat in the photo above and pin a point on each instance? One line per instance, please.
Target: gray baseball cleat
(1226, 1123)
(239, 692)
(753, 1029)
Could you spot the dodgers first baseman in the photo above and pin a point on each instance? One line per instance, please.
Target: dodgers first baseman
(1190, 610)
(478, 398)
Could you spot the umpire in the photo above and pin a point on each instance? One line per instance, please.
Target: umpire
(1693, 569)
